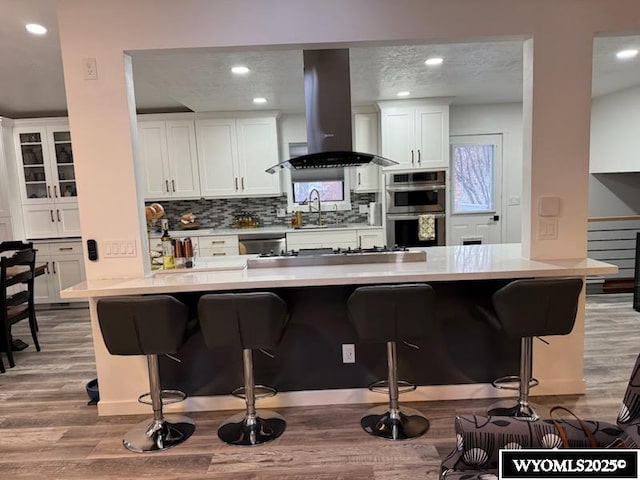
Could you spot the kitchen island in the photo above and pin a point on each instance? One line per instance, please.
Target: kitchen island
(458, 361)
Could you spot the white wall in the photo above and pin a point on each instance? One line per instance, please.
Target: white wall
(615, 132)
(505, 119)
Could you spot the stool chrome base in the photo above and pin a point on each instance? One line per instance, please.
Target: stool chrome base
(156, 436)
(244, 430)
(507, 408)
(407, 423)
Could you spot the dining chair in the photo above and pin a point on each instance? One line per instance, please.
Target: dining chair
(14, 245)
(19, 269)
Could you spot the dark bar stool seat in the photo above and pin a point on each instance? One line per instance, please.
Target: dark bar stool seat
(152, 325)
(525, 309)
(392, 313)
(248, 321)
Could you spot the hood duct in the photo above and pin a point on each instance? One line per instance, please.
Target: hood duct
(327, 95)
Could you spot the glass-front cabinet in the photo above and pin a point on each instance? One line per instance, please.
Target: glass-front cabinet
(47, 179)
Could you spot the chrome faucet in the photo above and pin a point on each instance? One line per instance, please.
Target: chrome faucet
(319, 222)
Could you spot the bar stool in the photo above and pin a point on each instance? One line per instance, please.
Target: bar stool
(152, 325)
(391, 313)
(525, 309)
(248, 321)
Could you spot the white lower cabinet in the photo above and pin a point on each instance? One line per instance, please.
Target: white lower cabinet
(65, 267)
(320, 239)
(217, 245)
(5, 229)
(371, 237)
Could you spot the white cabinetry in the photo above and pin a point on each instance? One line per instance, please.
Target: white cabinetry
(233, 154)
(322, 239)
(47, 179)
(65, 267)
(366, 140)
(371, 237)
(415, 133)
(6, 232)
(216, 245)
(169, 159)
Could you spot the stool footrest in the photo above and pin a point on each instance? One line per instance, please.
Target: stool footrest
(168, 397)
(259, 391)
(382, 386)
(512, 382)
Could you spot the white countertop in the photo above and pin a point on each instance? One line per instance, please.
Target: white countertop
(468, 262)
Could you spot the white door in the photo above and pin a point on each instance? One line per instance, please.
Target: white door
(257, 151)
(475, 186)
(153, 155)
(183, 159)
(217, 157)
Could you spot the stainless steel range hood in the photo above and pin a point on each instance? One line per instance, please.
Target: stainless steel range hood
(327, 93)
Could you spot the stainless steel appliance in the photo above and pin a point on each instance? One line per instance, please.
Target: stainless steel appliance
(263, 243)
(416, 192)
(411, 199)
(328, 256)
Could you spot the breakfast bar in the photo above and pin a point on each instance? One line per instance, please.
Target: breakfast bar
(459, 360)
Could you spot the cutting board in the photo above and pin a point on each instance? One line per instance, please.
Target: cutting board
(210, 264)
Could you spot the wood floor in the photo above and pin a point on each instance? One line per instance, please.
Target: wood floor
(47, 430)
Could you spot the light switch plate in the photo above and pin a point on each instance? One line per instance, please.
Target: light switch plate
(549, 206)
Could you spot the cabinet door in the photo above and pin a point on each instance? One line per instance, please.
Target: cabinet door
(371, 238)
(366, 141)
(217, 154)
(154, 158)
(398, 135)
(184, 181)
(31, 153)
(5, 229)
(257, 151)
(317, 239)
(62, 173)
(432, 126)
(68, 219)
(218, 245)
(45, 288)
(40, 221)
(68, 270)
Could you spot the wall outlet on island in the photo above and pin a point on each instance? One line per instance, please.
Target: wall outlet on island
(348, 353)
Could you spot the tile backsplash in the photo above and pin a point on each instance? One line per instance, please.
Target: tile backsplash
(221, 212)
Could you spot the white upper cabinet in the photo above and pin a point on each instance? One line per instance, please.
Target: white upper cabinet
(47, 179)
(415, 133)
(233, 154)
(169, 159)
(366, 140)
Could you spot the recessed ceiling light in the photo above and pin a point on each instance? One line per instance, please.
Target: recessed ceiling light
(35, 29)
(240, 70)
(434, 61)
(624, 54)
(259, 100)
(404, 93)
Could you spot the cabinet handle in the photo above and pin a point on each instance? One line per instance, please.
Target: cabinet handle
(47, 267)
(58, 215)
(166, 185)
(242, 182)
(218, 254)
(213, 242)
(51, 213)
(55, 191)
(419, 157)
(173, 185)
(48, 191)
(236, 181)
(54, 267)
(359, 179)
(62, 249)
(411, 157)
(359, 241)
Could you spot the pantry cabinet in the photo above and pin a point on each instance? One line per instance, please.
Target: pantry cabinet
(233, 154)
(64, 268)
(415, 133)
(47, 179)
(169, 159)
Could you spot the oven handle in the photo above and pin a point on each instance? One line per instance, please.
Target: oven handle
(411, 216)
(415, 188)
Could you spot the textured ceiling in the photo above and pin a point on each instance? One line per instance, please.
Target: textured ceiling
(33, 84)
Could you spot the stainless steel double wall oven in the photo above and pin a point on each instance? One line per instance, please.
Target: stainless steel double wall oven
(411, 195)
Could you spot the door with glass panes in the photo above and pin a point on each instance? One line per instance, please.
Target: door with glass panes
(475, 186)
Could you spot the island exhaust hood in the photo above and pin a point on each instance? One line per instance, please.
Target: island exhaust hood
(327, 95)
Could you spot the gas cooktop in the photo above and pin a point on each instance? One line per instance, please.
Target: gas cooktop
(328, 256)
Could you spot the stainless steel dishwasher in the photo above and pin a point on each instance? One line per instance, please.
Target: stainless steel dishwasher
(262, 243)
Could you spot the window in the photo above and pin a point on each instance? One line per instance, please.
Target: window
(473, 177)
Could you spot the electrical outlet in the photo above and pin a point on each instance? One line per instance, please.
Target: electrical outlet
(547, 229)
(281, 213)
(90, 68)
(348, 353)
(363, 208)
